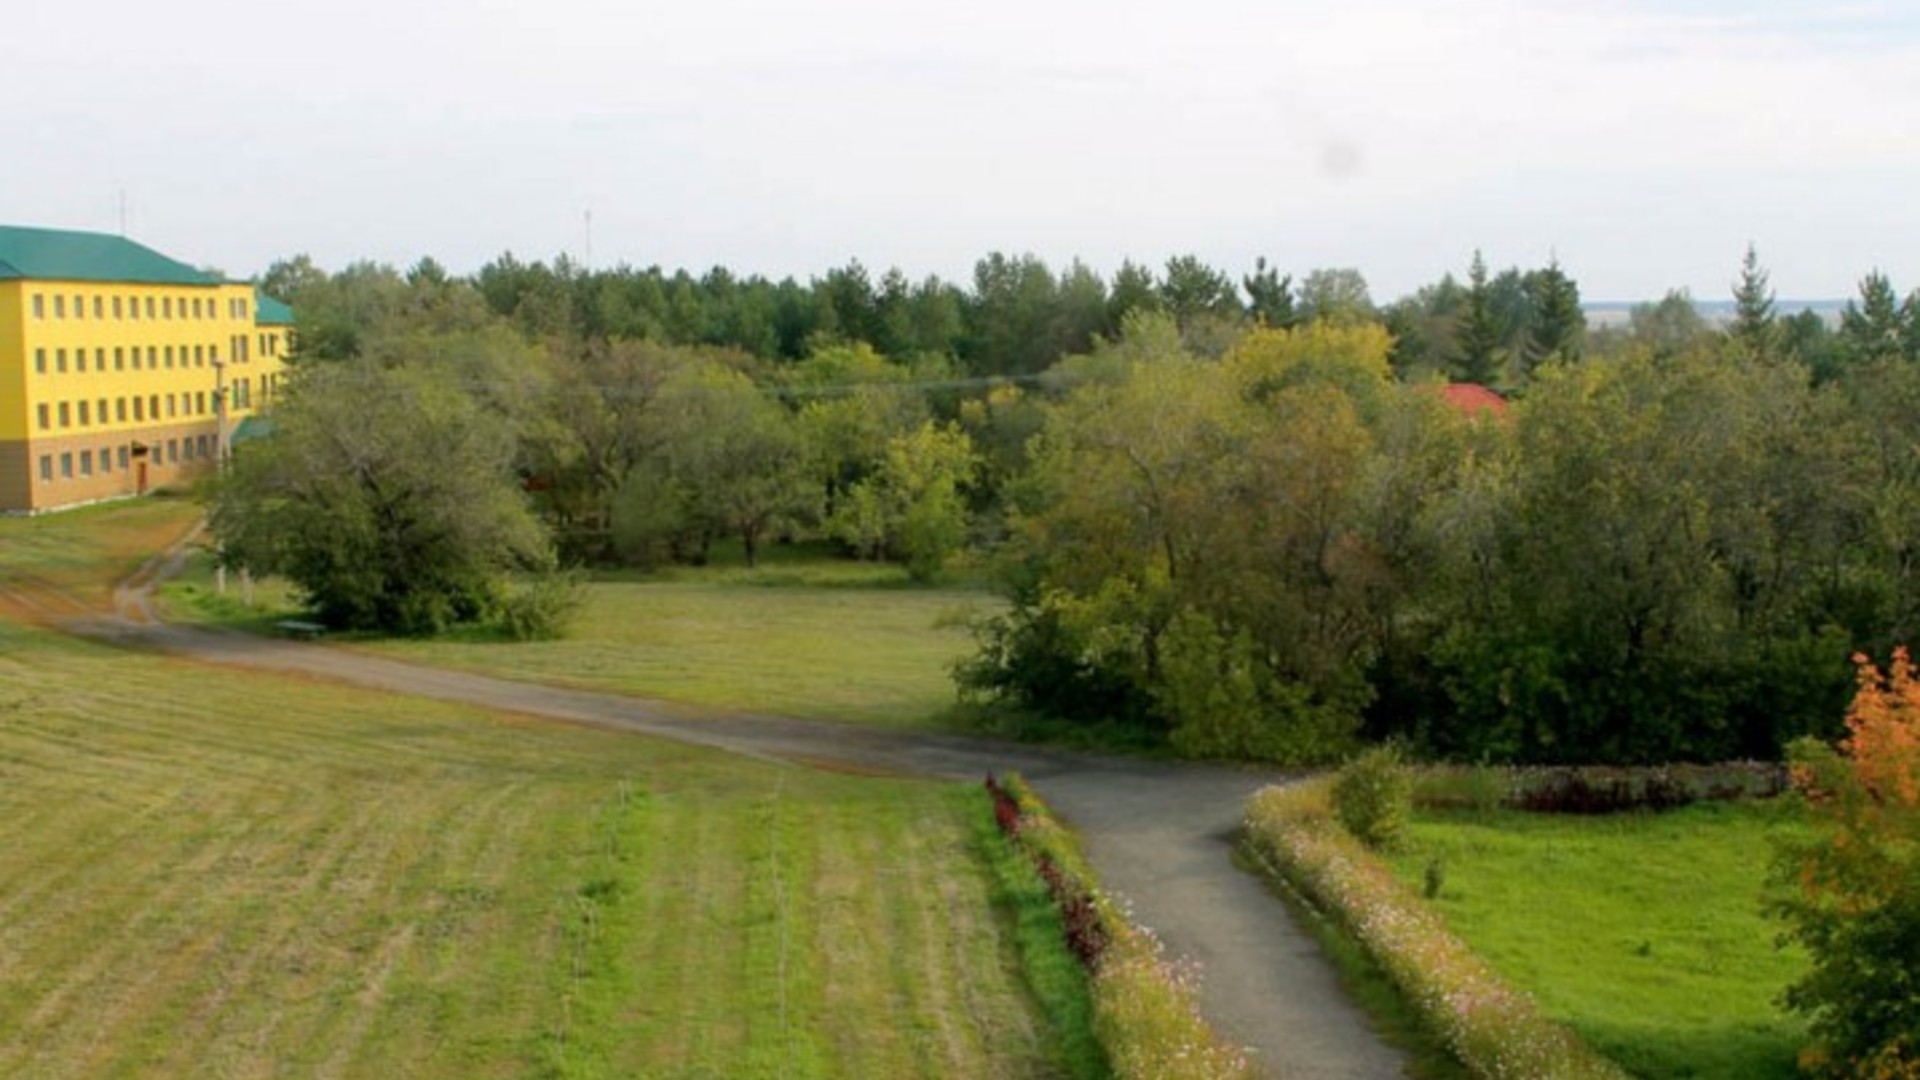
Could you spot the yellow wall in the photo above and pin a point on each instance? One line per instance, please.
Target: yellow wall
(123, 364)
(13, 385)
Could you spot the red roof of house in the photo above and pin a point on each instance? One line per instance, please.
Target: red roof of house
(1471, 398)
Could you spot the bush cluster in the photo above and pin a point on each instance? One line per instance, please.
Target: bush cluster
(1373, 797)
(1144, 1004)
(1493, 1029)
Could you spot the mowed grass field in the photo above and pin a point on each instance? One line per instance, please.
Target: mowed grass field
(1642, 931)
(802, 635)
(209, 872)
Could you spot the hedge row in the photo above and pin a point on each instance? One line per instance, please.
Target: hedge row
(1492, 1028)
(1145, 1013)
(1595, 789)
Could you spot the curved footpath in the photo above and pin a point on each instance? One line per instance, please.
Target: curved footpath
(1158, 834)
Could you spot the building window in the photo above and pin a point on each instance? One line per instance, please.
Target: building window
(66, 465)
(60, 361)
(86, 409)
(173, 451)
(169, 356)
(120, 410)
(172, 406)
(199, 356)
(150, 306)
(45, 412)
(79, 306)
(202, 440)
(39, 361)
(153, 406)
(123, 459)
(46, 468)
(66, 415)
(99, 307)
(100, 359)
(106, 460)
(59, 306)
(200, 402)
(102, 414)
(119, 358)
(166, 307)
(153, 358)
(80, 361)
(40, 312)
(139, 409)
(117, 312)
(86, 463)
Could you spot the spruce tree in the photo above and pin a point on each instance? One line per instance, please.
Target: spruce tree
(1559, 327)
(1477, 334)
(1755, 326)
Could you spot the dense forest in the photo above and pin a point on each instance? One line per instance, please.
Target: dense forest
(1238, 514)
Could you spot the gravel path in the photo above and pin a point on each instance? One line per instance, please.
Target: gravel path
(1158, 834)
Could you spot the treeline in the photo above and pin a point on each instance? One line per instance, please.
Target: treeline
(1241, 516)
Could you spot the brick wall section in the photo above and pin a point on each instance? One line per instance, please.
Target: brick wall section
(46, 473)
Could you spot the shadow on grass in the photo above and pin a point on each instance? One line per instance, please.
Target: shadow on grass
(1729, 1050)
(1019, 725)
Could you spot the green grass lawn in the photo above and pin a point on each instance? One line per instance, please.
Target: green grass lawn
(1643, 932)
(211, 872)
(802, 635)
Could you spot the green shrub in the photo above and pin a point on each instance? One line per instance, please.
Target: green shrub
(1373, 796)
(543, 607)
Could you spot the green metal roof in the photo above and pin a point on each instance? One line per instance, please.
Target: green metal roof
(270, 312)
(63, 255)
(253, 427)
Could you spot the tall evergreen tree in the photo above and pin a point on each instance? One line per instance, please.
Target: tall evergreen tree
(1559, 326)
(1755, 326)
(1477, 334)
(1873, 328)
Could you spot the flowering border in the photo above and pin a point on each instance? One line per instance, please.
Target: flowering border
(1145, 1011)
(1492, 1028)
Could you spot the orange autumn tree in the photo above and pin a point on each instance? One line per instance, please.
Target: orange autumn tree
(1854, 890)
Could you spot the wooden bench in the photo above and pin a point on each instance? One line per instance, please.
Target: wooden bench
(300, 628)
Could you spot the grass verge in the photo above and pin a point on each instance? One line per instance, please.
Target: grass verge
(1491, 1027)
(1643, 932)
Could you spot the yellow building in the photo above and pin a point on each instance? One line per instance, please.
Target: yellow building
(122, 370)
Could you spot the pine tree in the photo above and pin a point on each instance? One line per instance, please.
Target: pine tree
(1270, 295)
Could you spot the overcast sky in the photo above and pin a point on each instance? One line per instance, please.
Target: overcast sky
(1644, 144)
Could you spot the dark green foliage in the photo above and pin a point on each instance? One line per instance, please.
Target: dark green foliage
(1477, 336)
(1030, 658)
(386, 496)
(1755, 328)
(1270, 296)
(1373, 797)
(1559, 326)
